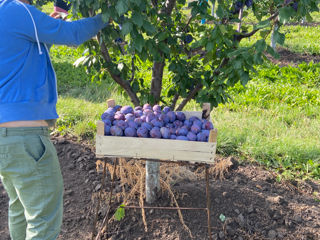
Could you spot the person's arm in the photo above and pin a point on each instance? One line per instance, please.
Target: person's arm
(54, 31)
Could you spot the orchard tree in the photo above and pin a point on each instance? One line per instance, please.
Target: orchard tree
(202, 60)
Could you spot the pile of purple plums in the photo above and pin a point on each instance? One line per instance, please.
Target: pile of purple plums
(154, 122)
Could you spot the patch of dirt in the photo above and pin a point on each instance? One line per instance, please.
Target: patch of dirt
(291, 58)
(254, 204)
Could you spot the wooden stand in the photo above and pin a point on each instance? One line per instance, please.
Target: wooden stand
(155, 151)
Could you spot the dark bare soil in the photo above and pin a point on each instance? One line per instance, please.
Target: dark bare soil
(255, 205)
(291, 58)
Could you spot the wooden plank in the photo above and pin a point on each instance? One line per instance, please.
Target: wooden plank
(162, 149)
(190, 114)
(206, 109)
(213, 135)
(111, 103)
(100, 128)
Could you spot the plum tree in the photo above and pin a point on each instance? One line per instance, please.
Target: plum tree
(202, 60)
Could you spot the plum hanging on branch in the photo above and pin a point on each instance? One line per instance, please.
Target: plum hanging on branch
(202, 60)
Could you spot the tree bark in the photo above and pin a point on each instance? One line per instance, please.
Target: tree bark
(156, 83)
(158, 67)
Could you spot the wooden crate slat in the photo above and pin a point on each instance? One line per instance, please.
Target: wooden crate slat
(162, 149)
(190, 114)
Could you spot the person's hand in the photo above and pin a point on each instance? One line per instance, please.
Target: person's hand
(58, 15)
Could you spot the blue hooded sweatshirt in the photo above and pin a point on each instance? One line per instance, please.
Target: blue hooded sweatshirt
(28, 88)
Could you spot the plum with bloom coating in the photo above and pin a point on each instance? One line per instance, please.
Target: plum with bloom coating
(116, 131)
(142, 132)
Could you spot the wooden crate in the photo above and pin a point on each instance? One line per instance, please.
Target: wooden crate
(157, 149)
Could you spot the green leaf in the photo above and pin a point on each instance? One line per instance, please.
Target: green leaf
(262, 24)
(137, 19)
(279, 37)
(149, 27)
(209, 46)
(105, 17)
(126, 28)
(121, 7)
(261, 45)
(272, 52)
(222, 217)
(285, 14)
(120, 213)
(139, 43)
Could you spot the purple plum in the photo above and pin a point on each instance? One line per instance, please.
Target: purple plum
(138, 108)
(147, 106)
(107, 130)
(155, 132)
(157, 123)
(143, 118)
(138, 113)
(116, 108)
(191, 136)
(129, 117)
(157, 114)
(122, 124)
(164, 118)
(169, 125)
(173, 136)
(207, 125)
(201, 137)
(119, 116)
(116, 131)
(195, 129)
(165, 132)
(133, 124)
(126, 109)
(147, 112)
(173, 131)
(172, 116)
(184, 138)
(182, 131)
(107, 122)
(138, 121)
(177, 123)
(187, 123)
(156, 108)
(114, 123)
(142, 132)
(180, 116)
(206, 132)
(150, 117)
(193, 118)
(166, 110)
(106, 115)
(130, 132)
(197, 122)
(146, 125)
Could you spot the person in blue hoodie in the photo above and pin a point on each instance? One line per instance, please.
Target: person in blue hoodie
(29, 167)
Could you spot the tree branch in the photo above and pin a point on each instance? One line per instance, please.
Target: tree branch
(174, 101)
(123, 83)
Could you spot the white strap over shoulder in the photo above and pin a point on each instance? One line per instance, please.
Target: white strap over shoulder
(34, 25)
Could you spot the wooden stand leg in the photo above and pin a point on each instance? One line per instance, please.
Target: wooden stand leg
(99, 200)
(208, 202)
(152, 181)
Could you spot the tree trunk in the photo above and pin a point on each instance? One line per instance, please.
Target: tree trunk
(156, 84)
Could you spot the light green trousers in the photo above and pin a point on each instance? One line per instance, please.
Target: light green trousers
(30, 173)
